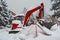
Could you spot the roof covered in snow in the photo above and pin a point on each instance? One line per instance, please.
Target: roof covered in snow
(19, 15)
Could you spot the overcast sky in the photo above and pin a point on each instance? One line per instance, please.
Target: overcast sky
(18, 5)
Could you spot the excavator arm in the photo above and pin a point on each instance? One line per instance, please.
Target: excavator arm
(29, 13)
(40, 8)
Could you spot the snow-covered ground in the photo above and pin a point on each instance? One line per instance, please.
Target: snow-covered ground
(22, 35)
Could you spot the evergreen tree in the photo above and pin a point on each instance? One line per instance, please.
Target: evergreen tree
(56, 7)
(4, 13)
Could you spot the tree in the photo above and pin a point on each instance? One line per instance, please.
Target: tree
(4, 13)
(56, 7)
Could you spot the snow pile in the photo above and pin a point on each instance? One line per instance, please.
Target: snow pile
(28, 33)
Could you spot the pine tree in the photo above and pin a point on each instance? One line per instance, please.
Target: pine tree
(4, 13)
(56, 7)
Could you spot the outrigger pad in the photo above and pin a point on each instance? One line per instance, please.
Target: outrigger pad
(13, 32)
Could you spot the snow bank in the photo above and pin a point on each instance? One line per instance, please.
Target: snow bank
(4, 35)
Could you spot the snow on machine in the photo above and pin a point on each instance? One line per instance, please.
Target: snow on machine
(17, 23)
